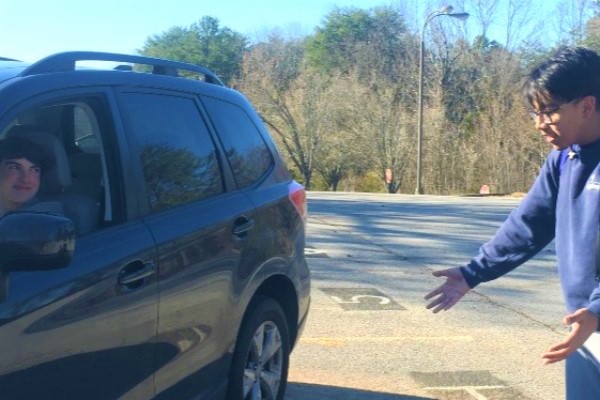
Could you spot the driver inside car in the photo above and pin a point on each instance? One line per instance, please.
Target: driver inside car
(21, 166)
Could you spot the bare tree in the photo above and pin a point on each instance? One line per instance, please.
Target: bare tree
(289, 99)
(572, 19)
(343, 151)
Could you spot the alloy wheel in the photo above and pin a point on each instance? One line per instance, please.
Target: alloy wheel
(264, 364)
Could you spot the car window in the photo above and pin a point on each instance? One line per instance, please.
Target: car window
(177, 155)
(247, 152)
(85, 139)
(78, 181)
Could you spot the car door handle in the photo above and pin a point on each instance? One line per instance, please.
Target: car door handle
(134, 273)
(242, 225)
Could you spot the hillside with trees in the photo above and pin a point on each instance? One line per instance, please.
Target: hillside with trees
(342, 101)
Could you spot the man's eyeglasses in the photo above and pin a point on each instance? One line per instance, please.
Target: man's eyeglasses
(547, 114)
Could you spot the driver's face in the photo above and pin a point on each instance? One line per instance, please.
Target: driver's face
(19, 182)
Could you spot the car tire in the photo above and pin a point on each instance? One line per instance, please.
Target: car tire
(261, 358)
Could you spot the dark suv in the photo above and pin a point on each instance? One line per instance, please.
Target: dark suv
(177, 269)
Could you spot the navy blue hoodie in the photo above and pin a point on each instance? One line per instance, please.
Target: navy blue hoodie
(563, 202)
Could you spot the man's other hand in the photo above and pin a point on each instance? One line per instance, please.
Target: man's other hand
(583, 323)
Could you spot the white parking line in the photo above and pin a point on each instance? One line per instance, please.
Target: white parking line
(472, 390)
(322, 339)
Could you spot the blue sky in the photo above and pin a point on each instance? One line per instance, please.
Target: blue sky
(33, 29)
(30, 30)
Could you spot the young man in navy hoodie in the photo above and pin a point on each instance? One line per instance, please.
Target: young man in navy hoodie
(563, 94)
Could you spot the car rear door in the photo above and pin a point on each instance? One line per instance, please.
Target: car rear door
(201, 230)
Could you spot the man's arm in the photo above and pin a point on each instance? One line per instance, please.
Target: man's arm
(527, 230)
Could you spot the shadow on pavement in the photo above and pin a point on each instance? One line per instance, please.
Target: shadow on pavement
(308, 391)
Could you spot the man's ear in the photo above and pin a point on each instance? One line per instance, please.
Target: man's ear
(589, 105)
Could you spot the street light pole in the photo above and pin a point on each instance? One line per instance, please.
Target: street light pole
(447, 10)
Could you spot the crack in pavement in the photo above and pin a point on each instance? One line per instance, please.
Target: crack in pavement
(430, 270)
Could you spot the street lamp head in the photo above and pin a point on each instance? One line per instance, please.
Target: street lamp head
(462, 16)
(447, 10)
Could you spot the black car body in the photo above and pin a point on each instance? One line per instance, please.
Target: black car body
(188, 236)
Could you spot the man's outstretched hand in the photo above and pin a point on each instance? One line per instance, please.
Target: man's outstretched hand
(450, 292)
(583, 323)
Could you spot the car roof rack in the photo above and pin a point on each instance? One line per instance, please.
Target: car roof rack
(64, 62)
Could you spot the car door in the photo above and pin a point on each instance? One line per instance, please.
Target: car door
(201, 230)
(86, 331)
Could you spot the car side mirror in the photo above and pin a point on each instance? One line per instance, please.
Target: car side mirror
(31, 241)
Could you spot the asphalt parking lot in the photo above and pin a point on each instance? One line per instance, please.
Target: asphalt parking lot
(369, 335)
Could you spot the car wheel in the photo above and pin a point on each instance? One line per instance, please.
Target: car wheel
(261, 358)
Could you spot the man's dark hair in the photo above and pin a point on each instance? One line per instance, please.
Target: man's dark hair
(569, 74)
(15, 147)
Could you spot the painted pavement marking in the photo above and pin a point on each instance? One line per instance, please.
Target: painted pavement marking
(365, 299)
(467, 385)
